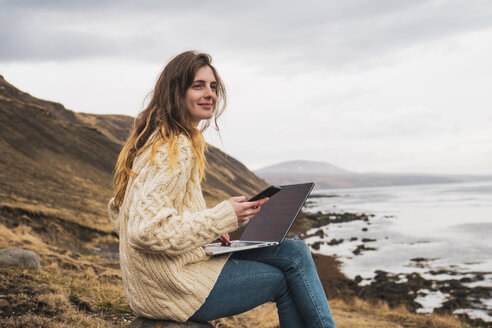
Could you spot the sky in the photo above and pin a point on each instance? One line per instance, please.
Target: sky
(391, 86)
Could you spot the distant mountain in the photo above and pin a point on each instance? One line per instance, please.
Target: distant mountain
(302, 168)
(326, 175)
(60, 163)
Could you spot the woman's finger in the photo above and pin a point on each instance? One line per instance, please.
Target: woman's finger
(225, 239)
(252, 211)
(258, 203)
(238, 199)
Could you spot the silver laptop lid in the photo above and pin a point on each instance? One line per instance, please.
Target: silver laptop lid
(276, 217)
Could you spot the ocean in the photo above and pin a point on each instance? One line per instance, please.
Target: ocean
(440, 231)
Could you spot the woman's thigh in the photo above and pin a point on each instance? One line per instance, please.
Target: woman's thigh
(242, 286)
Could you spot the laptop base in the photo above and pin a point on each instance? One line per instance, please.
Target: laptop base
(236, 246)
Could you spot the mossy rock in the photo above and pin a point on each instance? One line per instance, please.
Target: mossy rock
(19, 257)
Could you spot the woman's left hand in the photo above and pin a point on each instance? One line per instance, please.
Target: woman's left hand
(225, 239)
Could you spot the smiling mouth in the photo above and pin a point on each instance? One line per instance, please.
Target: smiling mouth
(207, 106)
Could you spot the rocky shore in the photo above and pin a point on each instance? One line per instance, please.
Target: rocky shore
(444, 291)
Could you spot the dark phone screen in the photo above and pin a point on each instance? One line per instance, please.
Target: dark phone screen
(268, 192)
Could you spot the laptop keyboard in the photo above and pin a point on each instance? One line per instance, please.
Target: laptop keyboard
(240, 244)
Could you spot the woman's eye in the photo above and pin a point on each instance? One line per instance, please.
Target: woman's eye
(197, 86)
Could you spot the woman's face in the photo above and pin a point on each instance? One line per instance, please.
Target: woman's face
(201, 96)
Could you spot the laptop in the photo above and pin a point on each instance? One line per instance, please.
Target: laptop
(270, 226)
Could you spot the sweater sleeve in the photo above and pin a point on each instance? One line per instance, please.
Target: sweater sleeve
(113, 212)
(154, 225)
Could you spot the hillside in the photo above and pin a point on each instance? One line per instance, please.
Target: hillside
(303, 168)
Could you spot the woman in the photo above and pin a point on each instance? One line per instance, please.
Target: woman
(162, 221)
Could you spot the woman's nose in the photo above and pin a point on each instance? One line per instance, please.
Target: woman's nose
(209, 93)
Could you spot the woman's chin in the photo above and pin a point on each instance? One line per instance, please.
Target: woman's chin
(206, 117)
(203, 120)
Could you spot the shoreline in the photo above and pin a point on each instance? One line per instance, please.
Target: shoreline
(454, 294)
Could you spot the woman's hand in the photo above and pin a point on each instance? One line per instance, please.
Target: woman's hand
(225, 239)
(245, 211)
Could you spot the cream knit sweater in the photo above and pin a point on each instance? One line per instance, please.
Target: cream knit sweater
(162, 223)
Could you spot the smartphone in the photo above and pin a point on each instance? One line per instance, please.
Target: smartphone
(268, 192)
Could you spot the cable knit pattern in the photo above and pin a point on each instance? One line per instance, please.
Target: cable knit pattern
(162, 224)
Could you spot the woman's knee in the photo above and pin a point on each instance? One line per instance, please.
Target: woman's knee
(297, 248)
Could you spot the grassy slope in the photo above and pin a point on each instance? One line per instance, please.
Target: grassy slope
(56, 169)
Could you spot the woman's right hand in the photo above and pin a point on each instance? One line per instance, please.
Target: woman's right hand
(244, 210)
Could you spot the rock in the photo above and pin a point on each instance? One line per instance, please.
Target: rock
(316, 245)
(335, 241)
(19, 257)
(149, 323)
(361, 248)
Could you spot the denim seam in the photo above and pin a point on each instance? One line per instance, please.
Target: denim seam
(256, 277)
(310, 292)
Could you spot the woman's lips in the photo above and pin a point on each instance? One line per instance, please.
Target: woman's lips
(206, 106)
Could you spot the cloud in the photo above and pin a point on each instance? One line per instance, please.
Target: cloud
(298, 35)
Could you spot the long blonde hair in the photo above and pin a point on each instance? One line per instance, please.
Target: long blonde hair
(167, 115)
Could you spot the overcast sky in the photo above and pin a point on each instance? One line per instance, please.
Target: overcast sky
(388, 86)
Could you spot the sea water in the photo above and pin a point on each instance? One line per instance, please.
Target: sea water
(443, 228)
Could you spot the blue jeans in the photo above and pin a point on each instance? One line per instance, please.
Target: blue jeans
(284, 274)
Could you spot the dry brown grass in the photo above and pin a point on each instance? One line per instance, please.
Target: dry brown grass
(264, 316)
(19, 236)
(52, 297)
(357, 313)
(71, 290)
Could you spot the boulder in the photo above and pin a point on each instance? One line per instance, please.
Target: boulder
(19, 257)
(149, 323)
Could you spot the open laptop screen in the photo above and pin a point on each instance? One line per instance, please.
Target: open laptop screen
(276, 217)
